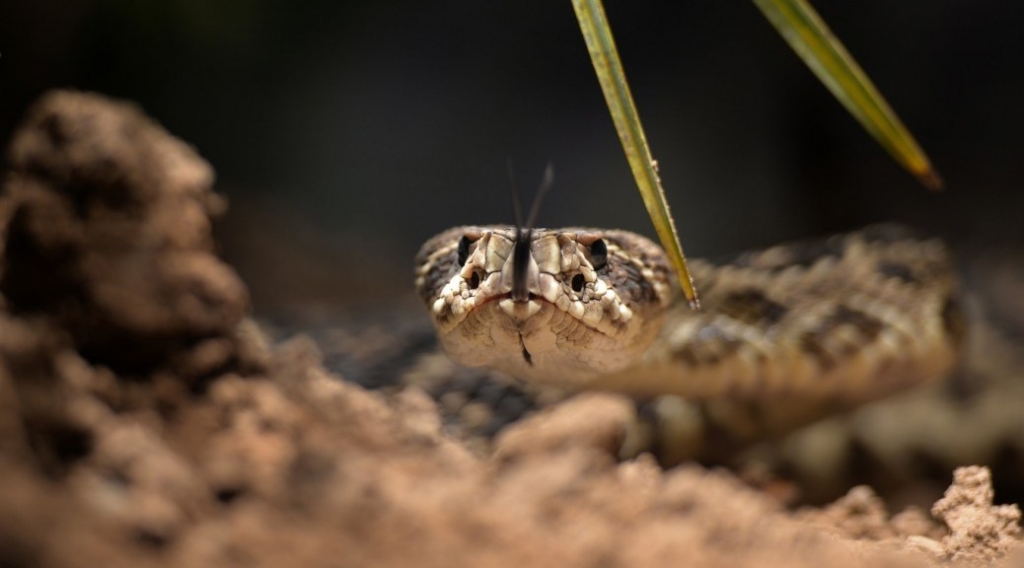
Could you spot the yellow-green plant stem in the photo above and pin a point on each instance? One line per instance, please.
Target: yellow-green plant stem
(605, 58)
(812, 40)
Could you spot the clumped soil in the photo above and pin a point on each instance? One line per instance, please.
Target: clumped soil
(145, 420)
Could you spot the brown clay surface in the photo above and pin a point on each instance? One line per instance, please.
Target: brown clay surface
(144, 420)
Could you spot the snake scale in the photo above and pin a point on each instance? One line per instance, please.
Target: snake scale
(785, 336)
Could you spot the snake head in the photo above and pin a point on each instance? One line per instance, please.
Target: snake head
(561, 307)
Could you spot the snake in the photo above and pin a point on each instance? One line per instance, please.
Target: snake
(784, 336)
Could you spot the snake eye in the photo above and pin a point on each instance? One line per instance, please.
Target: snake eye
(577, 283)
(474, 280)
(598, 254)
(464, 243)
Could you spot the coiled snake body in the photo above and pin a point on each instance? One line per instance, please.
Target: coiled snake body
(785, 335)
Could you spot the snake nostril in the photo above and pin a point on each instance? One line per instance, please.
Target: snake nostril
(577, 283)
(474, 280)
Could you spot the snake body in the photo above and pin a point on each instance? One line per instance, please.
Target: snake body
(785, 334)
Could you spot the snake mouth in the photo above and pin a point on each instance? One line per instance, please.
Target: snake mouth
(531, 307)
(508, 296)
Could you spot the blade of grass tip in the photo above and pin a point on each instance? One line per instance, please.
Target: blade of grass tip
(812, 40)
(605, 58)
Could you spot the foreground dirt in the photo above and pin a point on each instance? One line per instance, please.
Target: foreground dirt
(145, 421)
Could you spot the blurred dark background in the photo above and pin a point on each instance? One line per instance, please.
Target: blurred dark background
(346, 133)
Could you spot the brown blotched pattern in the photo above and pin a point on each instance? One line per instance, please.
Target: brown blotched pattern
(272, 461)
(785, 335)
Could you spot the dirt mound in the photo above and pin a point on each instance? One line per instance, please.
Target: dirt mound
(145, 421)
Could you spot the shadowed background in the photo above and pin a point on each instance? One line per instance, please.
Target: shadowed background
(346, 133)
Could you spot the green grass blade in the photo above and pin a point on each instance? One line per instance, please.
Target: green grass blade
(808, 35)
(605, 58)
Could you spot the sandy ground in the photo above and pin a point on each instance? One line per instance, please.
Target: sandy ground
(145, 421)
